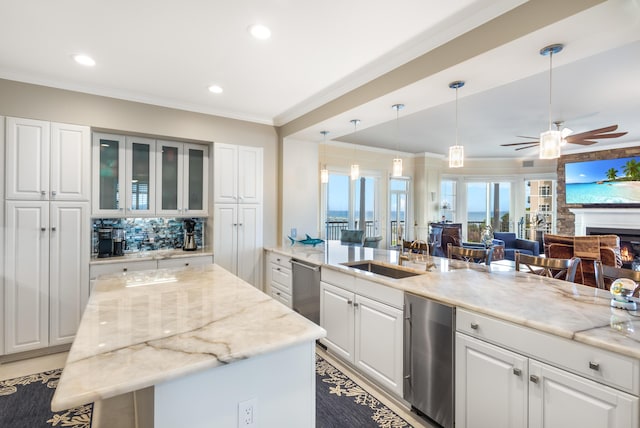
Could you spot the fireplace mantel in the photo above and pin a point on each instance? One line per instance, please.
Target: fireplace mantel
(623, 218)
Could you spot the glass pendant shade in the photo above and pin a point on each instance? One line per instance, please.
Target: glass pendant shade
(324, 175)
(456, 156)
(397, 168)
(550, 142)
(355, 171)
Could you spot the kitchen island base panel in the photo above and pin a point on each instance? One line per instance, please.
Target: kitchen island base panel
(282, 384)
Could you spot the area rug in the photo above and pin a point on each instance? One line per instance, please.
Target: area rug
(25, 402)
(342, 403)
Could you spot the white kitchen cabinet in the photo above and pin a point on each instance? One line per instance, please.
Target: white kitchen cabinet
(183, 171)
(2, 227)
(279, 278)
(124, 176)
(365, 332)
(491, 385)
(46, 272)
(47, 161)
(185, 261)
(540, 381)
(108, 268)
(237, 174)
(238, 240)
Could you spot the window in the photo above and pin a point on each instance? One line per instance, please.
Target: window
(448, 205)
(487, 203)
(398, 205)
(344, 199)
(539, 209)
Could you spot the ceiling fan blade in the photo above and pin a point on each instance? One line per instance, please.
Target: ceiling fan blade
(588, 134)
(612, 135)
(583, 142)
(524, 136)
(520, 144)
(528, 147)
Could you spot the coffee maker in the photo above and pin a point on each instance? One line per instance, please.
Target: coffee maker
(189, 243)
(105, 243)
(119, 242)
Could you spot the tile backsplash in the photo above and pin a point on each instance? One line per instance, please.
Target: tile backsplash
(144, 234)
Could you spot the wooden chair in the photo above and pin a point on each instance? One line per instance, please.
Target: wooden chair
(606, 274)
(544, 266)
(419, 247)
(471, 255)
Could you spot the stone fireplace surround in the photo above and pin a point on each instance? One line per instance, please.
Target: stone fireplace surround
(624, 222)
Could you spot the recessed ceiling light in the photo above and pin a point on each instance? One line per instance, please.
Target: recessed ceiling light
(84, 60)
(215, 89)
(260, 31)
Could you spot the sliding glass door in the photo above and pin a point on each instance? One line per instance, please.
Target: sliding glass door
(351, 204)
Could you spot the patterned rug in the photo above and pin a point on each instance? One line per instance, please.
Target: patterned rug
(25, 403)
(342, 403)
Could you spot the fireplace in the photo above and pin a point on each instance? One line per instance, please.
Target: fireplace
(629, 242)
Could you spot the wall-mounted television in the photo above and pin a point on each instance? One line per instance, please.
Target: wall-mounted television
(611, 182)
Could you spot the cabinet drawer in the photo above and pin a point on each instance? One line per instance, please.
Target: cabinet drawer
(382, 293)
(108, 268)
(185, 261)
(281, 276)
(280, 260)
(598, 364)
(281, 297)
(339, 279)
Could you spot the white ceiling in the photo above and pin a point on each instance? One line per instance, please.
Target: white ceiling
(168, 53)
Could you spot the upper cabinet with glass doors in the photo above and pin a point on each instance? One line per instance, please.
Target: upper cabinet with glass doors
(182, 170)
(124, 176)
(138, 177)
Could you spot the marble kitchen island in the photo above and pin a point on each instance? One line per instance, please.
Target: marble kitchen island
(191, 345)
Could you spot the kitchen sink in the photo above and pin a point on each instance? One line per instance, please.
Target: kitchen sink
(382, 269)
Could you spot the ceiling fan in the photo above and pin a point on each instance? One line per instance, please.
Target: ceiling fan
(584, 138)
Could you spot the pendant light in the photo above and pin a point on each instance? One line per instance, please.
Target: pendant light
(396, 170)
(324, 172)
(456, 152)
(551, 140)
(355, 168)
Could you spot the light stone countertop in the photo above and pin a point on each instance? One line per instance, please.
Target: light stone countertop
(143, 328)
(140, 256)
(564, 309)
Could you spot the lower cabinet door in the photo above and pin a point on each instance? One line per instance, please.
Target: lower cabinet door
(378, 342)
(559, 399)
(26, 279)
(491, 386)
(69, 269)
(336, 317)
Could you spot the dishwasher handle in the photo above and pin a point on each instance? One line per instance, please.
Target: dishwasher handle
(305, 265)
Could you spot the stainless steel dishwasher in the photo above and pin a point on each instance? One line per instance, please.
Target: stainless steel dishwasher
(306, 289)
(429, 358)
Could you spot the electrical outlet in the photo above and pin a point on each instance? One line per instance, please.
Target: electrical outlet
(294, 232)
(247, 413)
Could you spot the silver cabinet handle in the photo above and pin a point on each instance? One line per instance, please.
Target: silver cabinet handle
(43, 229)
(534, 378)
(53, 229)
(239, 224)
(594, 366)
(517, 371)
(124, 269)
(349, 302)
(53, 192)
(43, 192)
(474, 325)
(186, 264)
(277, 293)
(278, 269)
(355, 305)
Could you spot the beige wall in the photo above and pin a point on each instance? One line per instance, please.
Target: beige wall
(44, 103)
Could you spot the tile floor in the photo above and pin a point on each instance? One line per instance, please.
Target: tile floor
(54, 361)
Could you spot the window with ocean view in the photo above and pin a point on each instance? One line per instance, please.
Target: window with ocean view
(344, 201)
(487, 204)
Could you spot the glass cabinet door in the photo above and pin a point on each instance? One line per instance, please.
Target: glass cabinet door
(169, 164)
(109, 174)
(196, 176)
(140, 166)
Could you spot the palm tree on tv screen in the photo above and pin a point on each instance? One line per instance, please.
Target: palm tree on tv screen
(612, 173)
(632, 169)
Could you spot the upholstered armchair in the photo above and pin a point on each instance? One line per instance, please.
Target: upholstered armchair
(605, 248)
(513, 244)
(352, 237)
